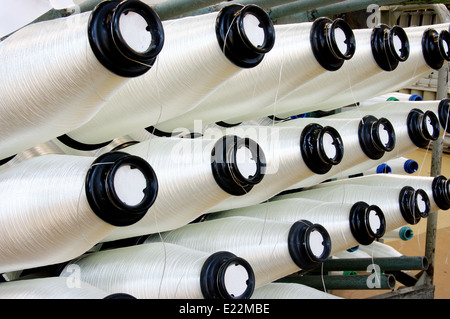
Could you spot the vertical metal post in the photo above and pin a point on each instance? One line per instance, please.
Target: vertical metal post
(436, 164)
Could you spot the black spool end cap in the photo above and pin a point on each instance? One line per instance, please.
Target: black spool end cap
(369, 134)
(441, 192)
(300, 244)
(7, 159)
(444, 114)
(324, 45)
(360, 223)
(419, 125)
(70, 142)
(212, 276)
(233, 39)
(225, 165)
(118, 296)
(110, 47)
(410, 206)
(101, 191)
(384, 50)
(314, 152)
(435, 48)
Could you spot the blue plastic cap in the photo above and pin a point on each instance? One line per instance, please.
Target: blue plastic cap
(384, 168)
(406, 233)
(411, 166)
(415, 97)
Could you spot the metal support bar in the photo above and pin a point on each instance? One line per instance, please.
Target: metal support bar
(384, 263)
(343, 282)
(297, 7)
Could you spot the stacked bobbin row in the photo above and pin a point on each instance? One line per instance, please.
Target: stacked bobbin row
(171, 159)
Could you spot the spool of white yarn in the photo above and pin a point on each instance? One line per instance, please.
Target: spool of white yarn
(57, 74)
(300, 53)
(401, 205)
(353, 253)
(57, 207)
(292, 154)
(191, 179)
(348, 224)
(393, 96)
(379, 250)
(437, 188)
(425, 46)
(166, 271)
(274, 249)
(200, 53)
(55, 288)
(404, 233)
(363, 140)
(281, 290)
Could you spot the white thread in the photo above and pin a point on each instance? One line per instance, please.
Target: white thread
(190, 66)
(46, 218)
(186, 185)
(279, 290)
(378, 250)
(252, 89)
(51, 82)
(49, 288)
(334, 216)
(284, 163)
(386, 197)
(150, 271)
(268, 254)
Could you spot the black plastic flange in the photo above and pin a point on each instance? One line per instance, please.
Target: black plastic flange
(313, 151)
(360, 227)
(233, 39)
(370, 138)
(7, 159)
(70, 142)
(101, 193)
(444, 114)
(384, 50)
(441, 192)
(225, 169)
(108, 44)
(119, 295)
(212, 276)
(409, 205)
(324, 45)
(435, 47)
(419, 125)
(299, 244)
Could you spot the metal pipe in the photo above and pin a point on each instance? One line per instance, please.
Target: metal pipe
(174, 8)
(298, 6)
(343, 282)
(436, 163)
(333, 9)
(385, 263)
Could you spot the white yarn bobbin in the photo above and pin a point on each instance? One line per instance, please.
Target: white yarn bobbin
(379, 250)
(54, 288)
(199, 54)
(292, 154)
(57, 74)
(77, 206)
(400, 205)
(166, 271)
(273, 249)
(348, 224)
(280, 290)
(370, 58)
(437, 188)
(359, 139)
(404, 233)
(290, 63)
(192, 179)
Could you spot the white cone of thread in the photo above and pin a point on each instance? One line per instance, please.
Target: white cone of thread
(45, 216)
(52, 82)
(353, 154)
(290, 63)
(150, 271)
(331, 215)
(186, 185)
(379, 250)
(284, 162)
(280, 290)
(50, 288)
(392, 180)
(189, 67)
(407, 73)
(385, 197)
(263, 243)
(331, 84)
